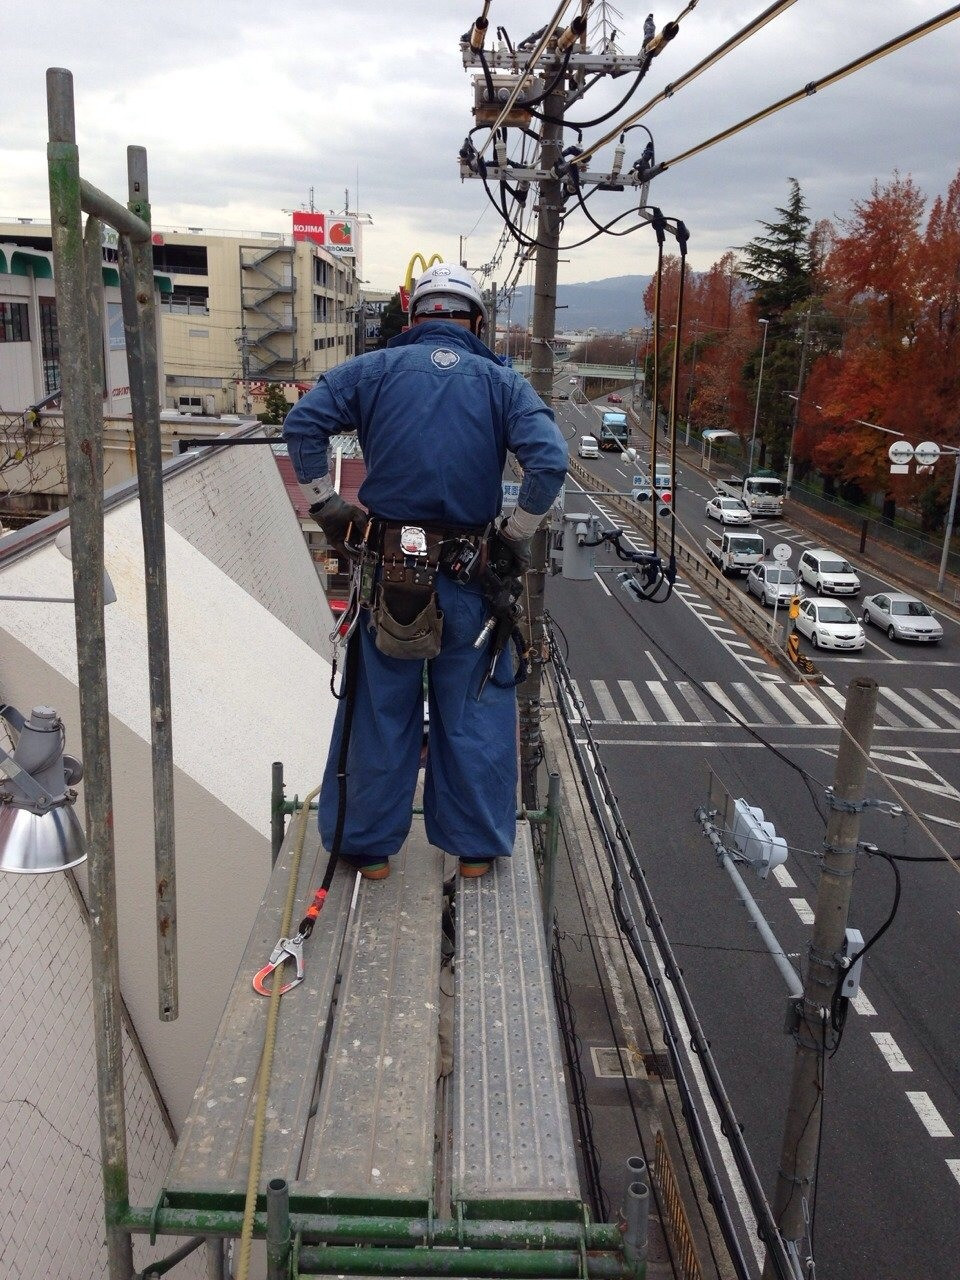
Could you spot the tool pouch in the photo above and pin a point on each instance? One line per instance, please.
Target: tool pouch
(412, 634)
(405, 612)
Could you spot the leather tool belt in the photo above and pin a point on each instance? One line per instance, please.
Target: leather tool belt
(402, 589)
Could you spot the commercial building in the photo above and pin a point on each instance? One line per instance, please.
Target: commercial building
(239, 311)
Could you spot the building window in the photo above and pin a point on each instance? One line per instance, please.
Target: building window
(14, 322)
(49, 345)
(319, 309)
(187, 299)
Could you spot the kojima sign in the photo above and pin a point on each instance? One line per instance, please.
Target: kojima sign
(335, 234)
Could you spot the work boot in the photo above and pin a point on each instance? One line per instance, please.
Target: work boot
(369, 868)
(473, 867)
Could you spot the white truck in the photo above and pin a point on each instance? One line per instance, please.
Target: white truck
(736, 552)
(761, 493)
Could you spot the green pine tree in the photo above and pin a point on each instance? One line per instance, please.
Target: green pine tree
(275, 406)
(778, 264)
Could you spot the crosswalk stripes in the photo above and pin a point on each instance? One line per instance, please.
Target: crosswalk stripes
(761, 703)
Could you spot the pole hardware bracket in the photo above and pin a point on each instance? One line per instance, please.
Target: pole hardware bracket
(858, 806)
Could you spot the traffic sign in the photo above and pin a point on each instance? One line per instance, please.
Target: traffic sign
(900, 451)
(926, 454)
(782, 552)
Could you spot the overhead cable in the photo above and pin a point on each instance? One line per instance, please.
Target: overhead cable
(809, 89)
(772, 11)
(531, 64)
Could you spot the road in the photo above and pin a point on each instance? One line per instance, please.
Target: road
(673, 690)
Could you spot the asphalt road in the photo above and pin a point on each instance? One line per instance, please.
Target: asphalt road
(674, 690)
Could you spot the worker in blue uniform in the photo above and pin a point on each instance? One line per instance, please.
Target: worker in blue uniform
(435, 413)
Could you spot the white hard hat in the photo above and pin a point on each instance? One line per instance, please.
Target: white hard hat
(446, 289)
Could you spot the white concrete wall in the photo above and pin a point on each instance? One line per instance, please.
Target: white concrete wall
(247, 690)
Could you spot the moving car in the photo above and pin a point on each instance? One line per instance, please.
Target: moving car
(613, 398)
(828, 624)
(588, 447)
(773, 583)
(828, 573)
(728, 511)
(903, 617)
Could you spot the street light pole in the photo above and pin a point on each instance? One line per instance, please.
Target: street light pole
(756, 411)
(950, 515)
(796, 406)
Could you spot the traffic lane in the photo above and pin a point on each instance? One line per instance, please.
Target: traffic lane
(740, 999)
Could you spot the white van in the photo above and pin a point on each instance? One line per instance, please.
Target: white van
(828, 573)
(588, 447)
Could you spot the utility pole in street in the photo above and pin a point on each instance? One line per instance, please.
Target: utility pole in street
(825, 968)
(541, 379)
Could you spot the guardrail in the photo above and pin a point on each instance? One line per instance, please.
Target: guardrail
(752, 617)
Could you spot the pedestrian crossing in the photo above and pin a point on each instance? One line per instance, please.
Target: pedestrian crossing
(764, 704)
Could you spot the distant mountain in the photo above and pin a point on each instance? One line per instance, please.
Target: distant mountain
(615, 304)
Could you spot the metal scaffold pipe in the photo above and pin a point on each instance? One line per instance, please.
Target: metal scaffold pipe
(79, 373)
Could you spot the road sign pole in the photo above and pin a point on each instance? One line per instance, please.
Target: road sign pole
(798, 1156)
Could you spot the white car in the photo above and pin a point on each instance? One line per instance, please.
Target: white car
(588, 447)
(903, 617)
(828, 573)
(829, 624)
(728, 511)
(773, 583)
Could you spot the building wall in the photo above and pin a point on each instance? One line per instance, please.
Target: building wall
(246, 690)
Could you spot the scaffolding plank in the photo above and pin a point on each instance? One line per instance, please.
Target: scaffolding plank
(512, 1136)
(374, 1133)
(213, 1152)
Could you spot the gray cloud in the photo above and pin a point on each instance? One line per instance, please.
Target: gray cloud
(244, 110)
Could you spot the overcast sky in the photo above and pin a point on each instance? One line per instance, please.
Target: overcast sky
(245, 107)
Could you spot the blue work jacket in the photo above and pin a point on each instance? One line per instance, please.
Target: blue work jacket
(435, 412)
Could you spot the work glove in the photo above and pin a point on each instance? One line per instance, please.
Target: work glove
(335, 516)
(516, 545)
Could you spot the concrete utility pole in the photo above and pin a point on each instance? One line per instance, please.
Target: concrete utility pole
(541, 379)
(798, 1154)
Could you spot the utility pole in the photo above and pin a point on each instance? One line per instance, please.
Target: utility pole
(541, 379)
(798, 1156)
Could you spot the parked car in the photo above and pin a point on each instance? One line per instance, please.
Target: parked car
(588, 447)
(828, 573)
(903, 617)
(773, 583)
(613, 398)
(828, 624)
(728, 511)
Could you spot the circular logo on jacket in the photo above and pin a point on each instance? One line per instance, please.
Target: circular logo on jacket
(444, 359)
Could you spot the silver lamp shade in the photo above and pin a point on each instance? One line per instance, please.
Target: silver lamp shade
(37, 843)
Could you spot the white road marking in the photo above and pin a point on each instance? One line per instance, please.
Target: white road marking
(640, 712)
(944, 822)
(863, 1005)
(782, 701)
(717, 693)
(655, 664)
(755, 705)
(606, 589)
(891, 1051)
(923, 721)
(783, 878)
(933, 1121)
(803, 909)
(815, 704)
(700, 709)
(673, 715)
(608, 708)
(927, 701)
(954, 1167)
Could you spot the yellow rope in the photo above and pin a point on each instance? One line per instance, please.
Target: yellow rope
(266, 1056)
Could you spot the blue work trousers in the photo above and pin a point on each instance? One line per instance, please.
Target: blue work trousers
(471, 772)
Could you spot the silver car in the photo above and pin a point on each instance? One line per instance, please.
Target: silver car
(903, 617)
(773, 583)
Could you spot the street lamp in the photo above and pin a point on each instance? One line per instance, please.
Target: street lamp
(756, 411)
